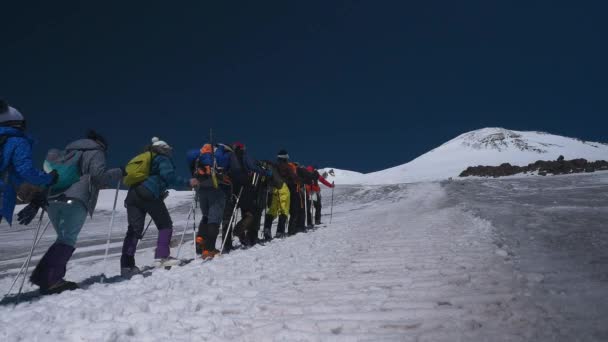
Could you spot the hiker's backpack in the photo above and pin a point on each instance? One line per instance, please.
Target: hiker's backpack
(138, 169)
(205, 160)
(67, 166)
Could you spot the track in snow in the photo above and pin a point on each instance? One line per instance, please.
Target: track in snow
(399, 262)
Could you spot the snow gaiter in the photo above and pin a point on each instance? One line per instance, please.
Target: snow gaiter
(52, 267)
(162, 243)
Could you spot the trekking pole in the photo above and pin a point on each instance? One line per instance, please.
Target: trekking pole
(312, 207)
(331, 212)
(181, 241)
(145, 230)
(105, 257)
(24, 262)
(305, 207)
(29, 257)
(195, 206)
(233, 216)
(265, 207)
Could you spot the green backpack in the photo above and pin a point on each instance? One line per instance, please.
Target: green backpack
(138, 169)
(67, 166)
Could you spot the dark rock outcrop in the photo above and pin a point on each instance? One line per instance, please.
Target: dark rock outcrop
(542, 167)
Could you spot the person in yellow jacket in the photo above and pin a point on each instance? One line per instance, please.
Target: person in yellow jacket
(281, 196)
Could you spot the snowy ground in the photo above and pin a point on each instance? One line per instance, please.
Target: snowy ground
(472, 260)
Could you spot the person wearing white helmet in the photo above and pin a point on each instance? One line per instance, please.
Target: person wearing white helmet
(147, 198)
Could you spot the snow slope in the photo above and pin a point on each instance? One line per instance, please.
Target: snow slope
(338, 283)
(487, 146)
(399, 263)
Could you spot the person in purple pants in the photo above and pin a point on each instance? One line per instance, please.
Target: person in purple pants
(147, 198)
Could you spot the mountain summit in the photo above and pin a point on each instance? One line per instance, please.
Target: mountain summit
(486, 146)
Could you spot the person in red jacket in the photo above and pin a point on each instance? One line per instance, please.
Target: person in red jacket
(314, 195)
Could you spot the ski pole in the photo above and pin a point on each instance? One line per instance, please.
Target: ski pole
(195, 206)
(181, 241)
(29, 257)
(145, 230)
(312, 207)
(105, 257)
(233, 216)
(24, 262)
(331, 212)
(265, 206)
(305, 206)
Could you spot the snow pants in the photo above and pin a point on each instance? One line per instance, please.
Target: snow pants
(212, 201)
(297, 213)
(280, 202)
(314, 201)
(139, 203)
(68, 217)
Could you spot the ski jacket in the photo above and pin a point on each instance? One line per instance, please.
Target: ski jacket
(287, 173)
(275, 180)
(314, 187)
(306, 177)
(16, 167)
(94, 175)
(162, 176)
(242, 167)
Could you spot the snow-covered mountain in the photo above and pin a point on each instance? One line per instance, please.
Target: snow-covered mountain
(487, 146)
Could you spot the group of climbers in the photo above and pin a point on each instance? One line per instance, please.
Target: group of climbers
(225, 179)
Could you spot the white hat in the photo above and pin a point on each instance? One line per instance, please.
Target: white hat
(159, 143)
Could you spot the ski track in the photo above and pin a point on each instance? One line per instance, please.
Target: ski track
(398, 263)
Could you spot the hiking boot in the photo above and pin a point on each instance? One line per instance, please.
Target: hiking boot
(128, 272)
(210, 254)
(60, 286)
(280, 235)
(167, 262)
(200, 242)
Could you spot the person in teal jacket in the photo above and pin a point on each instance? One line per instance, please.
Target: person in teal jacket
(147, 198)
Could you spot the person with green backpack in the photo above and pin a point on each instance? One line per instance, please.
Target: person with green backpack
(148, 176)
(81, 170)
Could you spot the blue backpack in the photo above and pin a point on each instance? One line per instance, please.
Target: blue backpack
(67, 166)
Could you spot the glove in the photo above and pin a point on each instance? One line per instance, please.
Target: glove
(39, 199)
(55, 176)
(27, 214)
(164, 195)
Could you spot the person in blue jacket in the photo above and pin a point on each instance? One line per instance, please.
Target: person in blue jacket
(16, 166)
(210, 167)
(148, 198)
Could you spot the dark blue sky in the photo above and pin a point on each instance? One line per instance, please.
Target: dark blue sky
(361, 85)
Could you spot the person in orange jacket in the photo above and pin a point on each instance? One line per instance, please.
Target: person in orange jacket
(314, 195)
